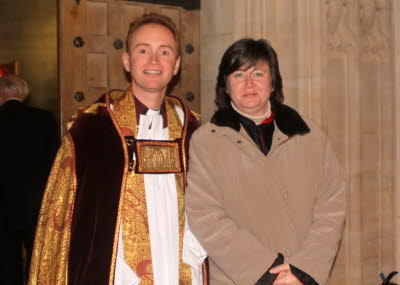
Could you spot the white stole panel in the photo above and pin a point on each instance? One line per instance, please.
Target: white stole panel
(162, 212)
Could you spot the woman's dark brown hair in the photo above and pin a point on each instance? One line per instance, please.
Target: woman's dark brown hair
(244, 54)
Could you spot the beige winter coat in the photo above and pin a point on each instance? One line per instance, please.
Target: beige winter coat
(245, 207)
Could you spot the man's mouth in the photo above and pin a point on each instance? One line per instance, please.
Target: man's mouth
(149, 71)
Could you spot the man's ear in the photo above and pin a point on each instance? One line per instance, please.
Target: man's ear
(177, 64)
(125, 61)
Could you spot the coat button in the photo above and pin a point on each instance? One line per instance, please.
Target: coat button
(239, 141)
(213, 131)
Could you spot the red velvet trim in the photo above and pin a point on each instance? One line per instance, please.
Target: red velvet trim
(99, 170)
(261, 139)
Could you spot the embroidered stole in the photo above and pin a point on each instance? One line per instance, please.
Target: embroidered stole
(135, 229)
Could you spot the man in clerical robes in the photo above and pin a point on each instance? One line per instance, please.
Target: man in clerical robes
(113, 210)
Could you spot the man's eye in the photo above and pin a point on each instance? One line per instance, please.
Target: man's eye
(142, 51)
(165, 52)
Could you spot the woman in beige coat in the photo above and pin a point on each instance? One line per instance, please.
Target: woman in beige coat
(265, 195)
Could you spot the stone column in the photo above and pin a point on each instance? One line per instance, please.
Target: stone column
(216, 34)
(396, 60)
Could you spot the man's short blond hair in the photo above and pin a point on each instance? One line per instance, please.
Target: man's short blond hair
(153, 18)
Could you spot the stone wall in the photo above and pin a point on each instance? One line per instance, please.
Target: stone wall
(337, 61)
(396, 117)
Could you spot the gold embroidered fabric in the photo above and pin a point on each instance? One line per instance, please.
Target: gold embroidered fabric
(50, 254)
(158, 157)
(49, 264)
(184, 269)
(135, 231)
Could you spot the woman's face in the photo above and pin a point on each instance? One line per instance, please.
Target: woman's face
(250, 89)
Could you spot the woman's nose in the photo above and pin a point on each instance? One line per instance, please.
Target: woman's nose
(249, 82)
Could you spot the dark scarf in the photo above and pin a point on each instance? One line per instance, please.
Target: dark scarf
(261, 134)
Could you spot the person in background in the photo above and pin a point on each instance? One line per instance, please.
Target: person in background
(113, 211)
(266, 195)
(28, 144)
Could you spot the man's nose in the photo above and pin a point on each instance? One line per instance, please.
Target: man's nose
(154, 58)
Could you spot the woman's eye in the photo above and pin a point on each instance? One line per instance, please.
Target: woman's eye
(258, 74)
(238, 75)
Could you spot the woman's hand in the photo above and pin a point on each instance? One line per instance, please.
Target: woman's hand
(285, 276)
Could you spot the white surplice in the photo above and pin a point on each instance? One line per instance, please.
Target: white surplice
(162, 212)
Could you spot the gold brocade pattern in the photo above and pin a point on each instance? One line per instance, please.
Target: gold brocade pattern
(124, 111)
(50, 253)
(49, 264)
(158, 157)
(136, 240)
(184, 269)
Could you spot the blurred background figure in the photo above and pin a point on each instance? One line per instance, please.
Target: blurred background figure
(29, 141)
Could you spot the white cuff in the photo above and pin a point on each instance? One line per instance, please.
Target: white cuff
(193, 255)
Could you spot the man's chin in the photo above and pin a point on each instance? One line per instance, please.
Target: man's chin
(150, 88)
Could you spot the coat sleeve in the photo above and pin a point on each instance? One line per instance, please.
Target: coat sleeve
(236, 251)
(313, 261)
(50, 253)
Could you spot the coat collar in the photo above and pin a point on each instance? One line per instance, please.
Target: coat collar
(287, 119)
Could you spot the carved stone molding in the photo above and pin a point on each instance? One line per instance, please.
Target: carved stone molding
(375, 28)
(250, 18)
(340, 24)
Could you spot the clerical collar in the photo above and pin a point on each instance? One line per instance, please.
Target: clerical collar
(141, 109)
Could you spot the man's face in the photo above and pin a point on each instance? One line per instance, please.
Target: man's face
(152, 60)
(250, 89)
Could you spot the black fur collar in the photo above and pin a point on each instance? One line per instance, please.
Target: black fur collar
(287, 119)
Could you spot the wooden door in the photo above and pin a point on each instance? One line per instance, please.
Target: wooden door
(92, 38)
